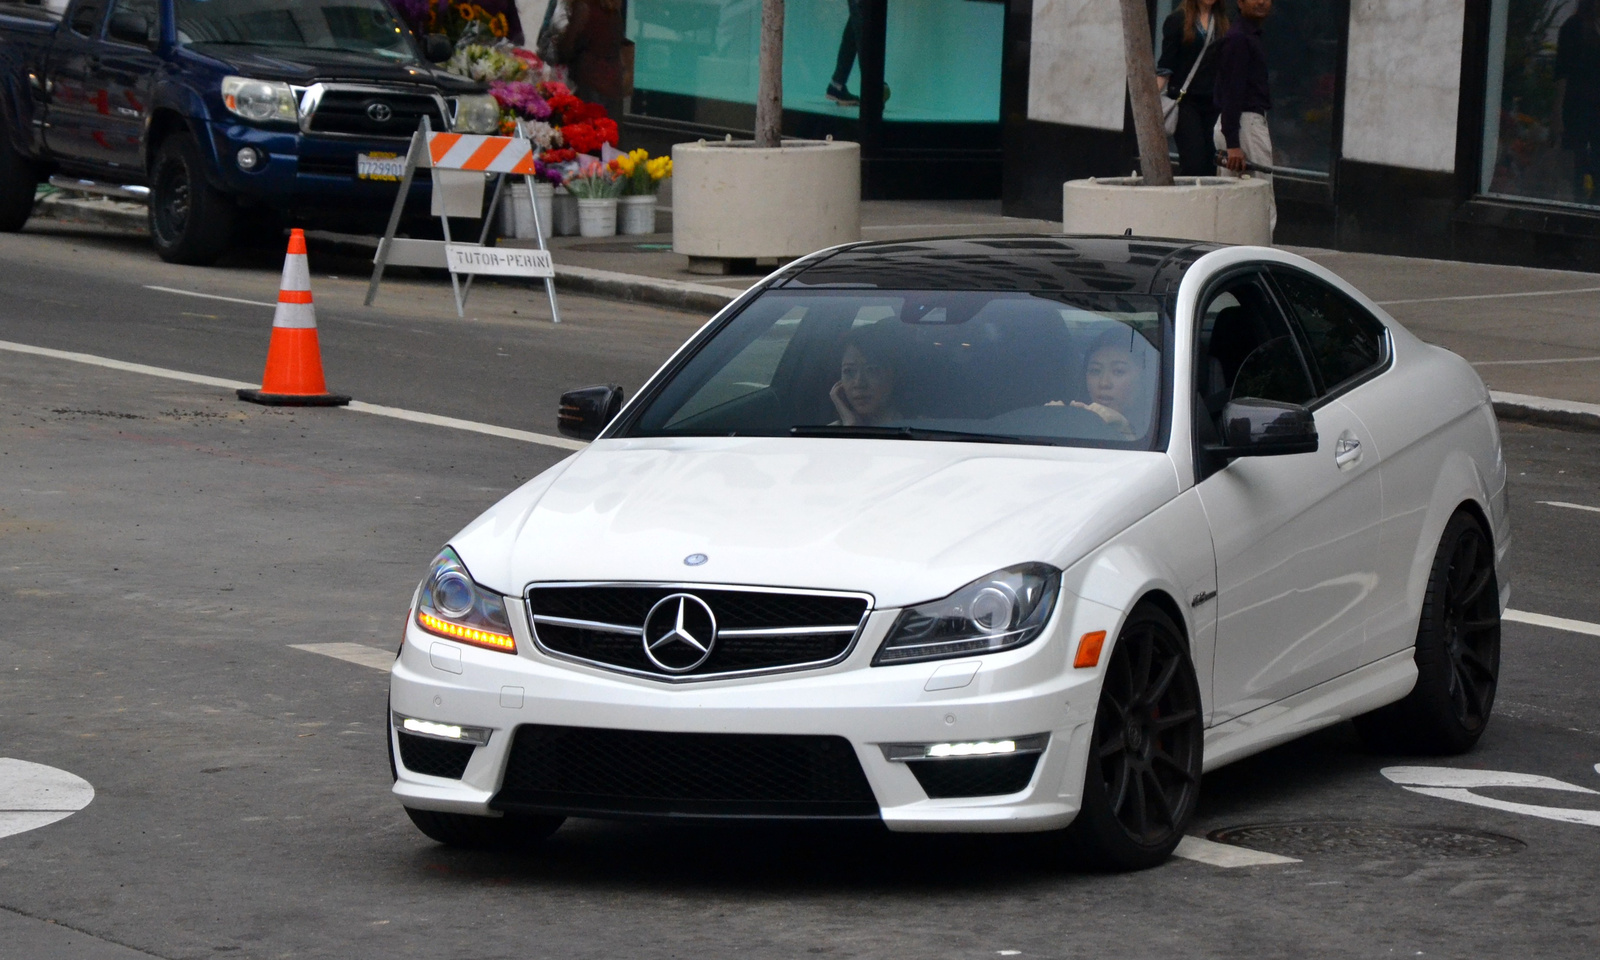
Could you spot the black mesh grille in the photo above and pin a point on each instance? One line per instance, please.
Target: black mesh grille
(627, 606)
(978, 777)
(345, 111)
(435, 758)
(588, 772)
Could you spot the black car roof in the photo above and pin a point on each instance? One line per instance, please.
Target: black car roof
(1031, 263)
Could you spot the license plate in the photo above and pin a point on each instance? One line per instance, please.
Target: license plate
(380, 166)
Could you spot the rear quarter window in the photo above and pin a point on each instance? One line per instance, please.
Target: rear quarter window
(1346, 341)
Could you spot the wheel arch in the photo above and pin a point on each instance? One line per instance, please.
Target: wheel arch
(1460, 485)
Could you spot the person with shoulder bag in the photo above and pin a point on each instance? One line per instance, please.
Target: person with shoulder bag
(1186, 74)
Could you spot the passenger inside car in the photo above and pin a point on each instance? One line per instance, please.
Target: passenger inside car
(865, 392)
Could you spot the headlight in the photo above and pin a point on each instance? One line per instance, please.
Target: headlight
(260, 100)
(478, 113)
(450, 605)
(1006, 609)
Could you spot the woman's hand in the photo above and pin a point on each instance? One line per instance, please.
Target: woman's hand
(841, 404)
(1111, 417)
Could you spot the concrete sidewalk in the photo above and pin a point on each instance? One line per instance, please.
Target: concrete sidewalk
(1534, 335)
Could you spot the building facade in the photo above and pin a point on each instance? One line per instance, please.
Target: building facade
(1465, 129)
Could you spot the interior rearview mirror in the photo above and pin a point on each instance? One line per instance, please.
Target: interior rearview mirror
(436, 47)
(584, 413)
(1253, 427)
(129, 26)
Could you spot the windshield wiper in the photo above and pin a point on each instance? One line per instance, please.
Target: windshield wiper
(897, 433)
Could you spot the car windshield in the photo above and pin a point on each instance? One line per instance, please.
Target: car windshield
(352, 26)
(1067, 369)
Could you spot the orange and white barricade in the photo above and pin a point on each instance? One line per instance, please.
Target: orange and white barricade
(460, 162)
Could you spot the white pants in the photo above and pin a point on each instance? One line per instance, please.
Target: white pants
(1256, 142)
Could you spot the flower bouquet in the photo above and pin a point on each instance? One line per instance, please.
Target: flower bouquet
(597, 190)
(641, 176)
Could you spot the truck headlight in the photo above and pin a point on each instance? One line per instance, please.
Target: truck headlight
(476, 113)
(260, 100)
(1006, 609)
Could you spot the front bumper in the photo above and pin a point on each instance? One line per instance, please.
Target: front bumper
(311, 175)
(1017, 693)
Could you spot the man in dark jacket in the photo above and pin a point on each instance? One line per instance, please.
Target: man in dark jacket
(1243, 96)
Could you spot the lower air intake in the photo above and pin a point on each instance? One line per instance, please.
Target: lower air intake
(581, 771)
(976, 777)
(434, 758)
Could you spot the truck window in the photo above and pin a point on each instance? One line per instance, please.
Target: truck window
(85, 20)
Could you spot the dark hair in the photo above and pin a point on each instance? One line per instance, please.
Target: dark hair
(1219, 19)
(876, 342)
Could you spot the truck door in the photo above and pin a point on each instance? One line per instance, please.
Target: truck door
(125, 72)
(75, 106)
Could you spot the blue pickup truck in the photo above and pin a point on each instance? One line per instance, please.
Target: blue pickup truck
(221, 112)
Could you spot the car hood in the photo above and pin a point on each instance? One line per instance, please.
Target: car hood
(906, 521)
(305, 66)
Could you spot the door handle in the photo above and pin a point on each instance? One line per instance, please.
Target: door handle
(1346, 451)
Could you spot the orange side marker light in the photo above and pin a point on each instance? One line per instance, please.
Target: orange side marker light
(1089, 649)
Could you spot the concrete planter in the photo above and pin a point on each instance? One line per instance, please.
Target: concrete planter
(1220, 209)
(732, 200)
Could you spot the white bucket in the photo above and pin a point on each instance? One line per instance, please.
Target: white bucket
(516, 213)
(564, 213)
(597, 218)
(636, 215)
(543, 194)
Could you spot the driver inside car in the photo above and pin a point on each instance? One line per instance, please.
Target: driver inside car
(1114, 380)
(865, 392)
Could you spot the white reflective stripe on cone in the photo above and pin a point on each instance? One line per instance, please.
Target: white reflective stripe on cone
(296, 273)
(301, 316)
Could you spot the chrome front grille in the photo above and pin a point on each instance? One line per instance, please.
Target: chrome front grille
(362, 111)
(757, 630)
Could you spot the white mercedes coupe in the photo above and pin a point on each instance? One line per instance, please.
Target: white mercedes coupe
(979, 534)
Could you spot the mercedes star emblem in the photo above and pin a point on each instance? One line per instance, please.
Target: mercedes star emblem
(379, 112)
(679, 633)
(695, 559)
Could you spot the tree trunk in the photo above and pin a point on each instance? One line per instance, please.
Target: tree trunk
(1154, 162)
(769, 94)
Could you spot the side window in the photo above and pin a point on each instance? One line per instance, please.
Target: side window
(750, 371)
(124, 12)
(1345, 340)
(86, 20)
(1246, 349)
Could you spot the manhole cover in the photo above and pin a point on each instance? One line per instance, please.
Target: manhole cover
(1314, 838)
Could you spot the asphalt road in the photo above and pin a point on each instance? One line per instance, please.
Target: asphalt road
(164, 547)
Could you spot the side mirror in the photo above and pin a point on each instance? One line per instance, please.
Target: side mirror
(129, 26)
(437, 48)
(584, 413)
(1265, 428)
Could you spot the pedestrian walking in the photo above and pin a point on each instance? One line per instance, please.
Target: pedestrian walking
(1577, 112)
(1187, 74)
(1243, 95)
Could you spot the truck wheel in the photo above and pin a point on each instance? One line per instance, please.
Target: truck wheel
(17, 184)
(191, 221)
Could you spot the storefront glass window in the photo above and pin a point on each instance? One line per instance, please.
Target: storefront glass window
(942, 58)
(1542, 128)
(1302, 39)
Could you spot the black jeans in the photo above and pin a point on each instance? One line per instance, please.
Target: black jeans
(849, 45)
(1197, 154)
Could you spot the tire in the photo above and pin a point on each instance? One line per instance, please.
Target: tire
(191, 222)
(18, 181)
(1143, 776)
(468, 832)
(1457, 653)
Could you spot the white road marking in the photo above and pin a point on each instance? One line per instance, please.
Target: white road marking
(357, 653)
(416, 416)
(1489, 296)
(1512, 363)
(210, 296)
(397, 413)
(1448, 783)
(1226, 854)
(1569, 506)
(33, 795)
(1552, 623)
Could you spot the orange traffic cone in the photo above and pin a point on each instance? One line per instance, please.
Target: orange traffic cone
(293, 377)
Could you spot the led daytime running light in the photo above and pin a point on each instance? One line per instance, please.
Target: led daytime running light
(481, 638)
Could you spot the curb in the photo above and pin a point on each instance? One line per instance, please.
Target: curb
(682, 294)
(1571, 414)
(120, 215)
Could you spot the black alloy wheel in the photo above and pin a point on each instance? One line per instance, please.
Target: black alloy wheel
(18, 181)
(191, 221)
(1457, 652)
(1143, 777)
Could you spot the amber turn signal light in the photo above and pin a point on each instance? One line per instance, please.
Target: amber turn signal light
(1089, 649)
